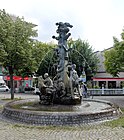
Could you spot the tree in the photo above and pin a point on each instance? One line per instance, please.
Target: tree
(83, 56)
(48, 60)
(38, 52)
(16, 45)
(114, 58)
(112, 63)
(80, 52)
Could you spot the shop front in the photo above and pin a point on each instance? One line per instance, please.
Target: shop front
(19, 82)
(108, 82)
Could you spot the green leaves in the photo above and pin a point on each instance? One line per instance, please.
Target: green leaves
(114, 58)
(46, 58)
(16, 43)
(83, 57)
(111, 62)
(81, 52)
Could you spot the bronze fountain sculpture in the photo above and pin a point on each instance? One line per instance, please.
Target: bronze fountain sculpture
(64, 88)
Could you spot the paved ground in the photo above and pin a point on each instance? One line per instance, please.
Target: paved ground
(118, 100)
(13, 131)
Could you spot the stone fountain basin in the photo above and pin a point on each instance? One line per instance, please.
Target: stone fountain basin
(31, 112)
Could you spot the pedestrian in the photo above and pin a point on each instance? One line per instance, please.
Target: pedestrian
(84, 90)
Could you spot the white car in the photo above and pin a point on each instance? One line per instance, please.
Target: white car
(4, 88)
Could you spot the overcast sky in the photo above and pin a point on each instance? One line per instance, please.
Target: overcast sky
(96, 21)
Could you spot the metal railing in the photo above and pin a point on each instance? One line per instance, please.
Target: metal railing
(105, 91)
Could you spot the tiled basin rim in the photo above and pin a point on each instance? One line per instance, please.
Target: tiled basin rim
(58, 118)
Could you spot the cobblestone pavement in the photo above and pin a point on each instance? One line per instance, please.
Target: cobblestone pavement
(14, 131)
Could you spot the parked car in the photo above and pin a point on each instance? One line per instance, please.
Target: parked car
(4, 88)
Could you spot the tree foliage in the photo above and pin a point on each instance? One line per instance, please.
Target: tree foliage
(111, 62)
(114, 58)
(83, 56)
(48, 61)
(16, 45)
(80, 53)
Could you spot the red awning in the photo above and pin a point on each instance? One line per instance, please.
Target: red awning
(16, 78)
(108, 79)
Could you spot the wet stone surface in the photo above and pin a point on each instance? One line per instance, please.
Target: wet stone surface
(85, 107)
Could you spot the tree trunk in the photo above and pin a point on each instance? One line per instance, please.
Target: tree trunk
(11, 85)
(11, 82)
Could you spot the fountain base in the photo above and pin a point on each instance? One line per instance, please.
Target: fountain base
(66, 100)
(30, 112)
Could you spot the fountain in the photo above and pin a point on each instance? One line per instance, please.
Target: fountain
(61, 101)
(64, 89)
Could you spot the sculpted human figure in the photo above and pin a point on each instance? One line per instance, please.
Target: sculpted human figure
(75, 80)
(60, 88)
(46, 89)
(42, 88)
(41, 85)
(44, 83)
(47, 81)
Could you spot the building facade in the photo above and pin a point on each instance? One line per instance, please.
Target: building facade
(102, 78)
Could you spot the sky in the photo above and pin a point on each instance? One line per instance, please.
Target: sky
(95, 21)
